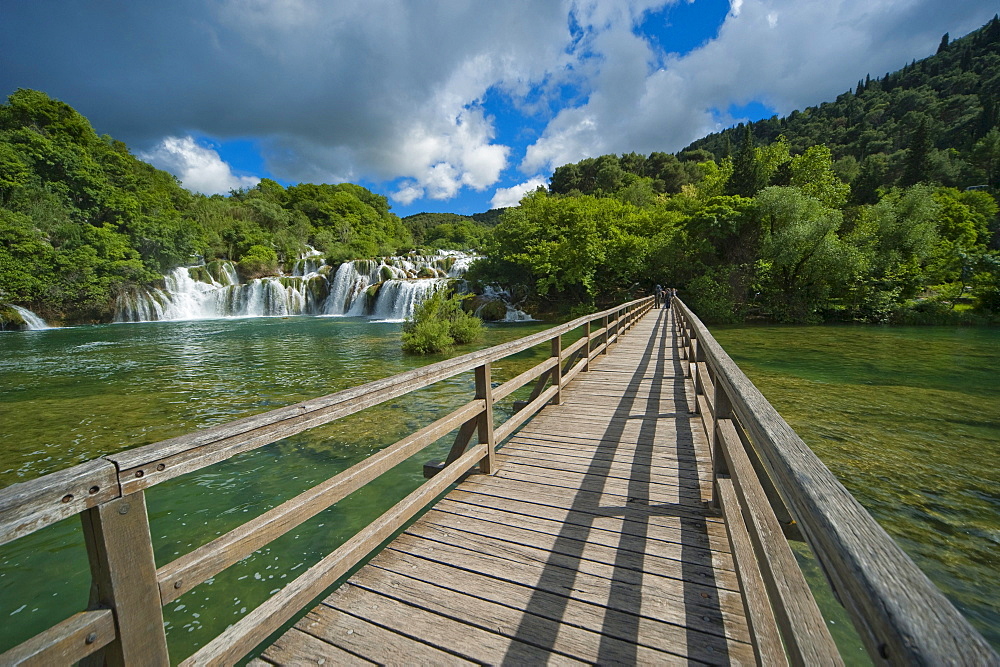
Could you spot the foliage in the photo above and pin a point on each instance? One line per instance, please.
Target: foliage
(927, 122)
(82, 220)
(438, 323)
(446, 231)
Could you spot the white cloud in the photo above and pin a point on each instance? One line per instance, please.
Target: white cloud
(391, 90)
(511, 196)
(200, 169)
(786, 54)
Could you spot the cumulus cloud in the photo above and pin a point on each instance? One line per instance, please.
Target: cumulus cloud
(511, 196)
(786, 54)
(200, 169)
(391, 90)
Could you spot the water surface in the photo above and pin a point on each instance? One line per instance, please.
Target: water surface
(908, 419)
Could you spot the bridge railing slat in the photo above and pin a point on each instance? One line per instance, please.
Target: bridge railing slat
(900, 615)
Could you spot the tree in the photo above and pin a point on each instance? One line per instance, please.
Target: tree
(802, 257)
(748, 176)
(944, 43)
(812, 172)
(916, 165)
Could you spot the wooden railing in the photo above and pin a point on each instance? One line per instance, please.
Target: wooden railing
(124, 621)
(769, 484)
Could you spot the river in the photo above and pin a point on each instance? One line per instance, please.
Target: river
(906, 418)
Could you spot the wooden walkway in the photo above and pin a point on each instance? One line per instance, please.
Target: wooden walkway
(593, 543)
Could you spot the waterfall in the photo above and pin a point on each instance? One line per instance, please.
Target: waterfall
(387, 288)
(32, 322)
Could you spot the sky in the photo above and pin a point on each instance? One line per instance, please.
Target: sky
(445, 105)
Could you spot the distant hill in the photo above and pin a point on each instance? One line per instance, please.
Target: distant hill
(951, 97)
(920, 123)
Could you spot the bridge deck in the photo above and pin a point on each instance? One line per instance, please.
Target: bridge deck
(593, 543)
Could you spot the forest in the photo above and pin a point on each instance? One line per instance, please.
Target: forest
(878, 207)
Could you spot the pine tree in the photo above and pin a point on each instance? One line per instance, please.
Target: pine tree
(747, 178)
(944, 43)
(916, 165)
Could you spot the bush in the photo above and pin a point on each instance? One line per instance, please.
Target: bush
(438, 323)
(257, 262)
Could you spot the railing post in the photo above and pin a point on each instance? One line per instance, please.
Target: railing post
(557, 370)
(696, 356)
(723, 410)
(607, 334)
(586, 334)
(124, 580)
(487, 435)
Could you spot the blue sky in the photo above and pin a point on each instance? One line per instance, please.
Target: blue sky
(446, 105)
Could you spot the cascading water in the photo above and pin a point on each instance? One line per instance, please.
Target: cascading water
(388, 288)
(32, 322)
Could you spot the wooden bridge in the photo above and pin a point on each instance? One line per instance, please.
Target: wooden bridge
(638, 511)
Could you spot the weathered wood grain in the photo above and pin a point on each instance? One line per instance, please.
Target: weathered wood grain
(29, 506)
(574, 610)
(65, 643)
(484, 646)
(300, 648)
(124, 579)
(371, 641)
(760, 617)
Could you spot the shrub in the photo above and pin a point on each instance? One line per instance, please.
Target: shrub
(438, 323)
(257, 262)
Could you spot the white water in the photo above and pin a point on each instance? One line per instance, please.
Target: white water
(514, 314)
(32, 322)
(398, 285)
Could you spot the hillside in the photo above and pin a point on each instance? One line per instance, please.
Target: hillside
(944, 106)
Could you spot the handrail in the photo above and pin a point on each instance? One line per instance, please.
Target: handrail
(901, 616)
(109, 495)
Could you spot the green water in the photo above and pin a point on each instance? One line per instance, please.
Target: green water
(70, 395)
(908, 419)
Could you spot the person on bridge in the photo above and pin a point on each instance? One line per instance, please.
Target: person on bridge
(658, 294)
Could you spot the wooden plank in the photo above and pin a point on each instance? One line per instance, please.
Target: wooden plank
(687, 540)
(29, 506)
(537, 453)
(515, 383)
(561, 635)
(803, 629)
(238, 639)
(181, 575)
(701, 607)
(124, 580)
(597, 502)
(485, 430)
(574, 541)
(900, 615)
(470, 642)
(654, 493)
(688, 486)
(525, 414)
(760, 617)
(370, 641)
(65, 643)
(299, 648)
(645, 630)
